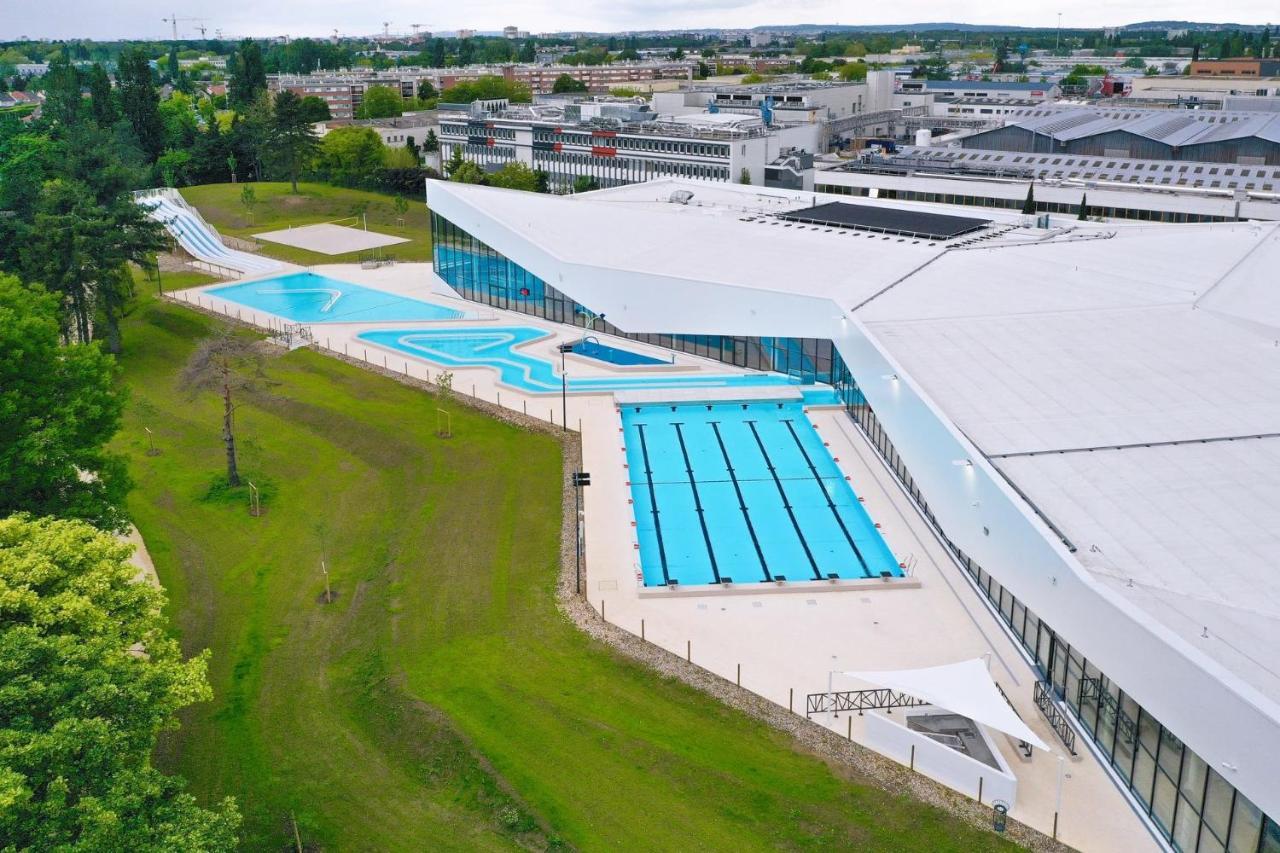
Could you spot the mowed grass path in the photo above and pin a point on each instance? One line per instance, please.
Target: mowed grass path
(442, 702)
(279, 208)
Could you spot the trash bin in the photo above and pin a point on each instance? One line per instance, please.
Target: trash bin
(999, 817)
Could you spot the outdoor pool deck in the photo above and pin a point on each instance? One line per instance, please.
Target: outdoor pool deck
(785, 638)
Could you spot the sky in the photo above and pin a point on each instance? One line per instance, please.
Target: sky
(105, 19)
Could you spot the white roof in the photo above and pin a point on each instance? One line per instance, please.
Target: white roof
(1041, 349)
(963, 688)
(1103, 378)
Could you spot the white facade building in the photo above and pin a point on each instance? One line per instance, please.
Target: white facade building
(620, 143)
(1088, 415)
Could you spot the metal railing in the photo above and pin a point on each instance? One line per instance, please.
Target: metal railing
(859, 700)
(1045, 701)
(1023, 746)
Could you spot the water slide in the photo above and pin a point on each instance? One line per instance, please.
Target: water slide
(199, 238)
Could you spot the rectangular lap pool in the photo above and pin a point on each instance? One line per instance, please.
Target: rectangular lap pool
(743, 491)
(307, 297)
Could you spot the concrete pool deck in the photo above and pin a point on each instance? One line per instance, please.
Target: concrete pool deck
(786, 644)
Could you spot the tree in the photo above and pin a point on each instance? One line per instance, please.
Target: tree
(468, 173)
(228, 364)
(294, 143)
(585, 184)
(744, 177)
(63, 102)
(426, 91)
(514, 176)
(528, 51)
(380, 102)
(248, 199)
(59, 408)
(315, 109)
(488, 87)
(1029, 204)
(80, 241)
(90, 674)
(248, 74)
(455, 161)
(351, 155)
(432, 143)
(853, 71)
(139, 102)
(1084, 207)
(565, 84)
(102, 100)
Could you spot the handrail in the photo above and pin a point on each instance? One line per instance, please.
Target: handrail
(1057, 720)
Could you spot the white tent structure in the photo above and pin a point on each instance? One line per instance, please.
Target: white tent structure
(963, 688)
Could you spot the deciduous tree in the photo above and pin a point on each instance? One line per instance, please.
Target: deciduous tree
(89, 675)
(59, 407)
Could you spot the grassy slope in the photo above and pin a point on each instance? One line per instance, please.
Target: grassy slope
(442, 701)
(279, 208)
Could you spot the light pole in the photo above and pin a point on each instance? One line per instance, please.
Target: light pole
(1057, 38)
(564, 388)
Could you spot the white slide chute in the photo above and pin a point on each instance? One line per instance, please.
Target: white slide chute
(197, 237)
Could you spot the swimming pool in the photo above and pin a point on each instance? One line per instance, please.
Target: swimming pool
(746, 492)
(590, 347)
(307, 297)
(496, 348)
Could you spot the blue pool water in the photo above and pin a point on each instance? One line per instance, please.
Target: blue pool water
(745, 491)
(476, 347)
(307, 297)
(592, 348)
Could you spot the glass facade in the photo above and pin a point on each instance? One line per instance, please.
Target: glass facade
(1194, 807)
(483, 275)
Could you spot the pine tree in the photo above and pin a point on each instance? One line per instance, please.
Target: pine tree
(294, 143)
(1029, 206)
(1084, 207)
(248, 74)
(139, 101)
(102, 100)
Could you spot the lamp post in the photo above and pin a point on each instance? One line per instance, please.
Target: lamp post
(564, 388)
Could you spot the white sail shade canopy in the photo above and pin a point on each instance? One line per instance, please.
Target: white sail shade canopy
(963, 688)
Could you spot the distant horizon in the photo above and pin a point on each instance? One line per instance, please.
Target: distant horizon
(317, 19)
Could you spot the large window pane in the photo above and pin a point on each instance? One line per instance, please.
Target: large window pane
(1163, 801)
(1144, 770)
(1186, 827)
(1217, 805)
(1270, 837)
(1246, 826)
(1194, 775)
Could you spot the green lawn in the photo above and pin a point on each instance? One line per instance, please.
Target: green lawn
(442, 702)
(279, 208)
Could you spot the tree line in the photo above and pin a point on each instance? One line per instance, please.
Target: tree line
(90, 672)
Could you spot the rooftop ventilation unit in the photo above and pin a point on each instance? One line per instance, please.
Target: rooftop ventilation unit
(680, 197)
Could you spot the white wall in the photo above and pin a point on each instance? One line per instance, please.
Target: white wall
(1225, 721)
(942, 763)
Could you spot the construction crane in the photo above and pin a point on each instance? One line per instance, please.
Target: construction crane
(174, 20)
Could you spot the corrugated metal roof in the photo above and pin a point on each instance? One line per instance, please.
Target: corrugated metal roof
(1172, 128)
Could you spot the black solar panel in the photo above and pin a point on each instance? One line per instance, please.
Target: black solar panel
(888, 220)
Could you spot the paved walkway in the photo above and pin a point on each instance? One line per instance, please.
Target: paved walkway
(781, 645)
